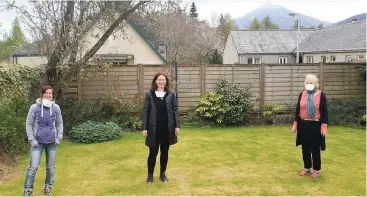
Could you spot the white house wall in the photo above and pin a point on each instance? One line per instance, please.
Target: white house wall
(339, 57)
(131, 43)
(230, 55)
(29, 60)
(267, 59)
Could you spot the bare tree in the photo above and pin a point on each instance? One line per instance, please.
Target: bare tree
(59, 27)
(188, 41)
(214, 19)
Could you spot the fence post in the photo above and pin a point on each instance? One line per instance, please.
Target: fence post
(232, 74)
(349, 73)
(292, 84)
(140, 79)
(108, 81)
(79, 83)
(262, 91)
(176, 76)
(202, 79)
(321, 75)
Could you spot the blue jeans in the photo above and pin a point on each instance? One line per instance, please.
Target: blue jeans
(36, 153)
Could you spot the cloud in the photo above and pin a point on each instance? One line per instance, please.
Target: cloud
(5, 26)
(341, 9)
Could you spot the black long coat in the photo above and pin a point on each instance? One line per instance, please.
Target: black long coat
(150, 118)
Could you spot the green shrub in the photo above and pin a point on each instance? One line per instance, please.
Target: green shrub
(212, 107)
(132, 123)
(345, 112)
(127, 111)
(270, 112)
(228, 104)
(13, 127)
(18, 81)
(193, 120)
(238, 100)
(119, 109)
(94, 132)
(361, 70)
(363, 120)
(75, 112)
(125, 105)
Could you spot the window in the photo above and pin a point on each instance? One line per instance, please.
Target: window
(254, 60)
(162, 49)
(115, 59)
(323, 59)
(309, 59)
(282, 60)
(120, 63)
(360, 56)
(348, 58)
(249, 60)
(332, 58)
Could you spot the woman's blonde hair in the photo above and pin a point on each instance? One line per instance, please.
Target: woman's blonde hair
(313, 79)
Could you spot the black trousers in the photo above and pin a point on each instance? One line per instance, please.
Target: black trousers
(310, 133)
(153, 152)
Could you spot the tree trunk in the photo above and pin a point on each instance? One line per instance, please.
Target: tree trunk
(54, 60)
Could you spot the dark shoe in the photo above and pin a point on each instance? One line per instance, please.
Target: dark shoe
(27, 193)
(163, 177)
(305, 172)
(150, 178)
(47, 191)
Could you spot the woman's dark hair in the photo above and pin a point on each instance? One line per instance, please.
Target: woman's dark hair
(154, 86)
(45, 88)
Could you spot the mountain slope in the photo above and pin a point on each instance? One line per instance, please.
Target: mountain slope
(278, 15)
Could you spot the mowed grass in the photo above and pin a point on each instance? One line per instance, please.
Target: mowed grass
(221, 161)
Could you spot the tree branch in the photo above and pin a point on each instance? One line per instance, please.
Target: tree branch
(75, 45)
(109, 31)
(61, 46)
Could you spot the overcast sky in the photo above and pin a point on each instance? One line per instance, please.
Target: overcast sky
(325, 10)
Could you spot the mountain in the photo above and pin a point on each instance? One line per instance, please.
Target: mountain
(359, 17)
(278, 15)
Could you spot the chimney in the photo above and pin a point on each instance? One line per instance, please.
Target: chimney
(354, 20)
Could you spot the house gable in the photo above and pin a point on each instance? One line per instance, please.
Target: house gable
(148, 43)
(126, 42)
(230, 53)
(131, 43)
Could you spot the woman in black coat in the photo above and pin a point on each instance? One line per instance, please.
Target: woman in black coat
(161, 124)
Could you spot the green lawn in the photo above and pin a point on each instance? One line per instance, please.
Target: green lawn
(234, 161)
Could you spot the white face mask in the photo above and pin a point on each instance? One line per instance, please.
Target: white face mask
(46, 102)
(310, 87)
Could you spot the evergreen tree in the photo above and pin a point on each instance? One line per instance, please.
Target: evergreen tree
(16, 38)
(255, 25)
(226, 24)
(193, 11)
(216, 58)
(267, 24)
(12, 42)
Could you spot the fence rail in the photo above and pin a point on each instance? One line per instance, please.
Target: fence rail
(269, 83)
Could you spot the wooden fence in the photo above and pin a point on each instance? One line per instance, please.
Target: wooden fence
(270, 83)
